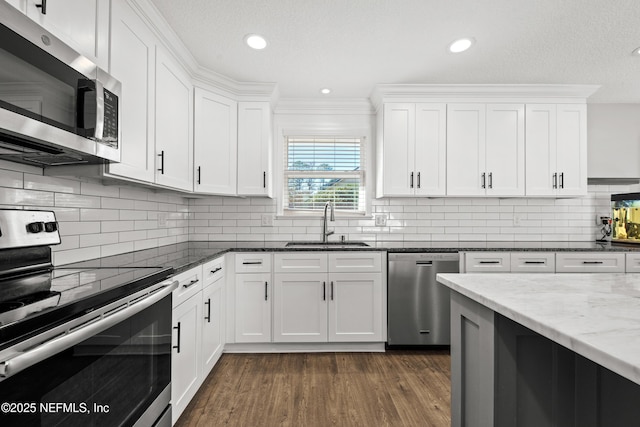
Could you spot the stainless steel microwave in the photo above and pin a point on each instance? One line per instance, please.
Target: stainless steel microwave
(56, 106)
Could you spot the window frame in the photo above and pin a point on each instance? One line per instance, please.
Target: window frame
(366, 164)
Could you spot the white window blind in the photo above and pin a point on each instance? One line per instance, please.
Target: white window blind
(321, 169)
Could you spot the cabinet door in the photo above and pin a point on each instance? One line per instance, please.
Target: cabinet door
(300, 307)
(398, 149)
(83, 24)
(253, 307)
(430, 149)
(540, 134)
(212, 326)
(466, 172)
(18, 4)
(571, 149)
(254, 149)
(133, 63)
(173, 115)
(355, 307)
(505, 150)
(215, 143)
(185, 354)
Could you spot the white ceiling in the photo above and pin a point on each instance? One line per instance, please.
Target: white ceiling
(352, 45)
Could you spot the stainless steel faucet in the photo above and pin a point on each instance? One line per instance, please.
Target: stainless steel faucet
(326, 233)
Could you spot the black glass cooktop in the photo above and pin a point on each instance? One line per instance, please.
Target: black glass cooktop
(32, 303)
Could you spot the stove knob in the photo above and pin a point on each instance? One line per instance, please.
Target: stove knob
(35, 227)
(50, 227)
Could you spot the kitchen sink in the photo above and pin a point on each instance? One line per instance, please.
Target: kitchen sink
(314, 244)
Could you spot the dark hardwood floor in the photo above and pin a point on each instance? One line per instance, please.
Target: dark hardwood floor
(396, 388)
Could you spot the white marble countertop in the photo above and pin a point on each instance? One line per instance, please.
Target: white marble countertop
(594, 315)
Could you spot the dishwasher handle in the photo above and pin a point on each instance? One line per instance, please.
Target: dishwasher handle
(424, 263)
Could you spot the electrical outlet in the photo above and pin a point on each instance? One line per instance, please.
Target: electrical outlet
(381, 220)
(162, 219)
(267, 220)
(517, 218)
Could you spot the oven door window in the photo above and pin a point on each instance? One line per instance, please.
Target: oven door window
(109, 379)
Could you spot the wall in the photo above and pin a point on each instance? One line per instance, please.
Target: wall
(96, 220)
(424, 219)
(614, 140)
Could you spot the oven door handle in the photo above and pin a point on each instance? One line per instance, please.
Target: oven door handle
(81, 329)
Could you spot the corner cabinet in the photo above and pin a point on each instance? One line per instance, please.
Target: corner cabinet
(173, 123)
(254, 149)
(485, 150)
(413, 150)
(215, 143)
(556, 149)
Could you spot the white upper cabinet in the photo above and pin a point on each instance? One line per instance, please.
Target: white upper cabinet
(505, 150)
(485, 150)
(215, 143)
(556, 150)
(133, 63)
(173, 124)
(466, 174)
(254, 149)
(83, 24)
(413, 150)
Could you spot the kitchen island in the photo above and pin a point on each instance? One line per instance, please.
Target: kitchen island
(545, 349)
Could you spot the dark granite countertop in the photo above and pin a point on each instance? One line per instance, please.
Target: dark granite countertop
(182, 256)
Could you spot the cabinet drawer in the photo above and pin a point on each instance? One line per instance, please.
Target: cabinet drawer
(354, 262)
(213, 270)
(487, 262)
(306, 262)
(581, 262)
(190, 283)
(633, 263)
(258, 262)
(533, 262)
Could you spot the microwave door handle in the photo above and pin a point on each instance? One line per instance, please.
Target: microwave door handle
(99, 132)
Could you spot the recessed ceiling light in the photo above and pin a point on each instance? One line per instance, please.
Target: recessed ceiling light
(636, 51)
(255, 41)
(325, 91)
(461, 45)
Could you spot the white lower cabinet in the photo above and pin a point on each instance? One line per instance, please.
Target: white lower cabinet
(329, 306)
(550, 262)
(253, 307)
(355, 307)
(300, 307)
(198, 333)
(185, 352)
(213, 315)
(487, 262)
(590, 262)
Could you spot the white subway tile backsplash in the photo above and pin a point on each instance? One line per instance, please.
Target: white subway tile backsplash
(97, 220)
(49, 183)
(77, 201)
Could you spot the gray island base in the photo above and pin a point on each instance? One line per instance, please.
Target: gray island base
(545, 349)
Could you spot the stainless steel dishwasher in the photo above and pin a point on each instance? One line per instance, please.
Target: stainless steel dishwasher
(418, 306)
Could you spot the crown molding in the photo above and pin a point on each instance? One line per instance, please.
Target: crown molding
(202, 77)
(474, 92)
(338, 106)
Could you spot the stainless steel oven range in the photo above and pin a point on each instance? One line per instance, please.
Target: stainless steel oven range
(82, 344)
